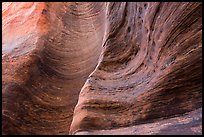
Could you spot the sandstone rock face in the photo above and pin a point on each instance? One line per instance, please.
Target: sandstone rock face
(48, 53)
(102, 68)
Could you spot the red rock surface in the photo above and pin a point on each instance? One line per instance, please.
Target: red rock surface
(102, 68)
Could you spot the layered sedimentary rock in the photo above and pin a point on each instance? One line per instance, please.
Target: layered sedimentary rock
(103, 68)
(49, 49)
(151, 67)
(188, 124)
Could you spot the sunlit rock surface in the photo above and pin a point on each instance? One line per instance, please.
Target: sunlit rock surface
(102, 68)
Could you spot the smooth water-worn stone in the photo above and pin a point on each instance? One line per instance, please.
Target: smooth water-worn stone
(101, 68)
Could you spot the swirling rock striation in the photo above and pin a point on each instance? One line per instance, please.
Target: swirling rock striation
(49, 49)
(123, 66)
(151, 67)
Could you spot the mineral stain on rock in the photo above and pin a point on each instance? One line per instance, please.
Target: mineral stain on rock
(101, 68)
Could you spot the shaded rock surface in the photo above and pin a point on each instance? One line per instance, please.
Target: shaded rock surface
(188, 124)
(102, 68)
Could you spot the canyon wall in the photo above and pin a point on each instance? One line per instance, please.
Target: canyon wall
(102, 68)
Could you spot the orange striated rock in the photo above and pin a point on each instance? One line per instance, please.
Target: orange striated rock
(102, 68)
(43, 68)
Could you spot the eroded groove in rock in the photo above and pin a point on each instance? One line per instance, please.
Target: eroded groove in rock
(137, 64)
(49, 49)
(151, 69)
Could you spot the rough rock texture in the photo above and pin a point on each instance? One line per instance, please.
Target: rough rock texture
(189, 124)
(129, 65)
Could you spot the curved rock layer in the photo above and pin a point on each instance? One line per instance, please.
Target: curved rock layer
(48, 51)
(129, 65)
(151, 67)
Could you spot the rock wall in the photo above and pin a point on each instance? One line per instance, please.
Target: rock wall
(102, 68)
(48, 52)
